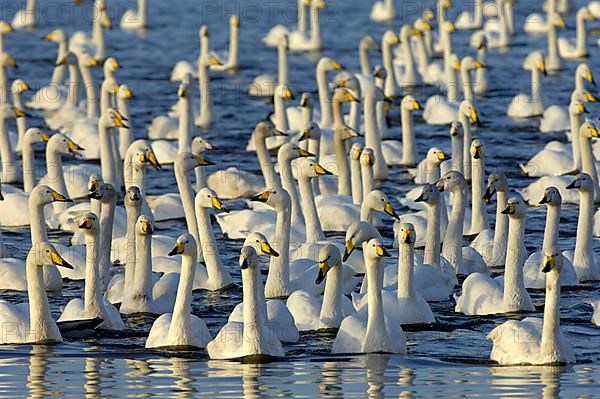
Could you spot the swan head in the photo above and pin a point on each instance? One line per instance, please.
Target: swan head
(311, 131)
(455, 130)
(444, 4)
(185, 245)
(584, 71)
(515, 208)
(589, 129)
(407, 234)
(284, 42)
(317, 4)
(421, 25)
(455, 61)
(448, 27)
(477, 149)
(451, 181)
(582, 182)
(375, 249)
(57, 36)
(306, 100)
(113, 118)
(248, 258)
(390, 38)
(144, 225)
(367, 157)
(535, 60)
(207, 198)
(187, 161)
(435, 156)
(105, 21)
(583, 96)
(469, 63)
(133, 197)
(44, 253)
(94, 182)
(61, 144)
(290, 151)
(356, 151)
(44, 195)
(308, 168)
(428, 15)
(344, 133)
(33, 135)
(144, 156)
(327, 64)
(266, 128)
(7, 60)
(497, 182)
(577, 108)
(18, 86)
(430, 195)
(409, 103)
(5, 27)
(85, 60)
(405, 33)
(585, 14)
(200, 145)
(378, 201)
(111, 65)
(105, 193)
(10, 112)
(124, 93)
(89, 222)
(358, 233)
(557, 21)
(478, 40)
(261, 244)
(551, 197)
(553, 260)
(329, 257)
(467, 109)
(203, 32)
(275, 198)
(234, 20)
(367, 42)
(284, 92)
(347, 81)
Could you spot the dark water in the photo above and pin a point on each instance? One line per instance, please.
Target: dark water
(447, 360)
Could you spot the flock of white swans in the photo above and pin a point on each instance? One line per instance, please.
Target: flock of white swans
(331, 155)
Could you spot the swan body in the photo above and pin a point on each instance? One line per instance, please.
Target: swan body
(135, 19)
(383, 11)
(545, 343)
(577, 47)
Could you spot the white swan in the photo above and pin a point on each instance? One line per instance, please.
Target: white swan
(18, 87)
(583, 258)
(32, 322)
(231, 59)
(403, 152)
(51, 96)
(11, 170)
(372, 96)
(467, 20)
(545, 343)
(252, 337)
(577, 48)
(383, 11)
(64, 116)
(147, 296)
(479, 217)
(180, 328)
(366, 43)
(135, 19)
(553, 63)
(532, 274)
(93, 305)
(204, 118)
(312, 312)
(536, 22)
(95, 44)
(406, 304)
(493, 247)
(272, 38)
(371, 331)
(26, 18)
(300, 41)
(440, 110)
(528, 105)
(482, 294)
(264, 85)
(464, 260)
(388, 40)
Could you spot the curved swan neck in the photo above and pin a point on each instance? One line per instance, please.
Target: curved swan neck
(132, 214)
(331, 310)
(409, 145)
(324, 100)
(106, 228)
(187, 199)
(514, 286)
(265, 163)
(432, 243)
(363, 56)
(92, 297)
(314, 232)
(58, 74)
(278, 279)
(581, 44)
(54, 170)
(181, 320)
(551, 322)
(406, 262)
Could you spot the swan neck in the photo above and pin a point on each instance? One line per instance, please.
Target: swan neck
(278, 279)
(324, 100)
(132, 214)
(106, 228)
(184, 134)
(282, 65)
(40, 319)
(432, 243)
(92, 297)
(409, 145)
(357, 197)
(406, 261)
(289, 184)
(551, 228)
(331, 310)
(181, 320)
(281, 122)
(29, 180)
(314, 232)
(514, 286)
(266, 165)
(549, 345)
(344, 186)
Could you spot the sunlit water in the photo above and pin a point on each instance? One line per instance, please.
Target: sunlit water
(447, 360)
